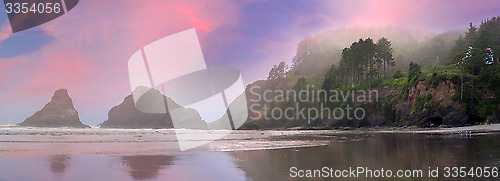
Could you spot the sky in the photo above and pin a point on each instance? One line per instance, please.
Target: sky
(86, 50)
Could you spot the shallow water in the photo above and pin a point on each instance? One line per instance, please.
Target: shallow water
(373, 151)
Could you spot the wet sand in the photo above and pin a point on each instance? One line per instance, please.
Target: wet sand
(153, 154)
(30, 141)
(19, 142)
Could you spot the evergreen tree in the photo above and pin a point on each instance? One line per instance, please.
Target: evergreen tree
(384, 52)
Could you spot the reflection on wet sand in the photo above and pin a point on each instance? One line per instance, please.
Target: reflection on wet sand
(146, 166)
(388, 151)
(374, 151)
(59, 163)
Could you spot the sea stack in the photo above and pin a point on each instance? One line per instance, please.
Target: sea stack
(59, 112)
(126, 114)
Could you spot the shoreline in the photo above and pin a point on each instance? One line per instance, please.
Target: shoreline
(6, 130)
(27, 141)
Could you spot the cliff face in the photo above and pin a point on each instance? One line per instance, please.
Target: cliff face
(59, 112)
(432, 106)
(126, 115)
(426, 106)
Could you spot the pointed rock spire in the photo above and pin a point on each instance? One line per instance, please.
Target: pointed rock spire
(59, 112)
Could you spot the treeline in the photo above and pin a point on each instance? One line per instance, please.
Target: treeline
(363, 60)
(316, 54)
(476, 52)
(351, 59)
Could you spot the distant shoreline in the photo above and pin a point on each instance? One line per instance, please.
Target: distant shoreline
(18, 130)
(18, 141)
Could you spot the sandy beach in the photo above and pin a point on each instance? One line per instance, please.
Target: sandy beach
(154, 154)
(21, 141)
(33, 141)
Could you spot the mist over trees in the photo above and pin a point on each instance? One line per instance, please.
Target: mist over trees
(316, 54)
(351, 56)
(430, 52)
(452, 76)
(363, 60)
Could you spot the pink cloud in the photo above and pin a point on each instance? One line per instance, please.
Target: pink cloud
(93, 42)
(142, 22)
(424, 14)
(5, 66)
(376, 12)
(58, 70)
(92, 45)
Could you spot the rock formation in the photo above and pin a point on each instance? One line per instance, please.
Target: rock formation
(126, 114)
(59, 112)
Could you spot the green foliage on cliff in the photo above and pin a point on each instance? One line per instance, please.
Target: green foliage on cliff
(474, 72)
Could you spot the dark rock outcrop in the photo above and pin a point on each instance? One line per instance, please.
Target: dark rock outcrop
(126, 114)
(426, 106)
(59, 112)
